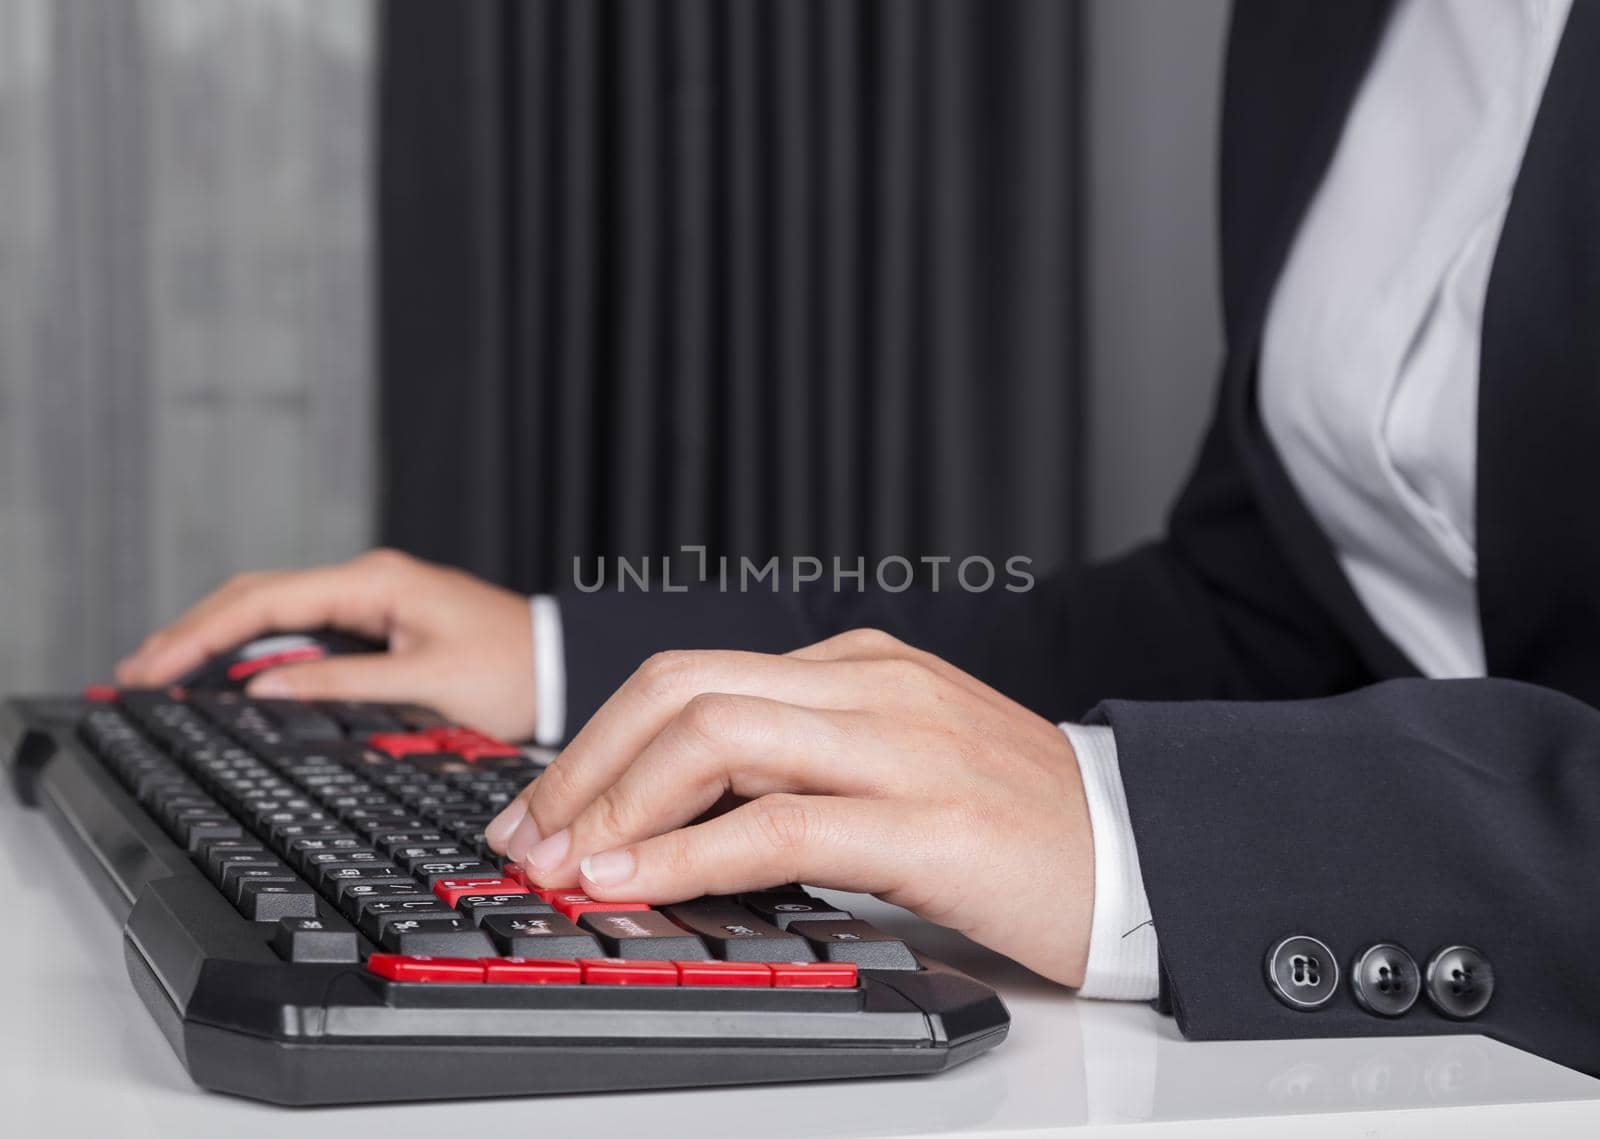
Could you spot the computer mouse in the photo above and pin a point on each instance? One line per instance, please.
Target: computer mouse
(233, 669)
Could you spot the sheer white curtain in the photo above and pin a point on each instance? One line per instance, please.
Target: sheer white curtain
(185, 382)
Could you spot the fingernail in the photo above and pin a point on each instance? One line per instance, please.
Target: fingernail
(609, 867)
(501, 827)
(547, 855)
(270, 686)
(524, 837)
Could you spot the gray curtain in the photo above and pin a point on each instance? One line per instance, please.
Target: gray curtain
(775, 276)
(184, 296)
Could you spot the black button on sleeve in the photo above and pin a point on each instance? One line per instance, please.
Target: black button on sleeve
(1460, 981)
(1302, 972)
(1385, 980)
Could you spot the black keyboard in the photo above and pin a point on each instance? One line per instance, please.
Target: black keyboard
(312, 916)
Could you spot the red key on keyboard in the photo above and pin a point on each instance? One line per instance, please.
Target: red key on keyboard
(740, 974)
(575, 903)
(452, 890)
(401, 744)
(469, 743)
(617, 971)
(813, 975)
(526, 971)
(403, 967)
(485, 749)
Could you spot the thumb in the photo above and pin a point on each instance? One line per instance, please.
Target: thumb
(363, 676)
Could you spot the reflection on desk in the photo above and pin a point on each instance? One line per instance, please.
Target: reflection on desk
(80, 1056)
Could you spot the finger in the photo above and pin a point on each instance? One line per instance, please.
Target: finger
(657, 692)
(350, 596)
(847, 844)
(719, 744)
(513, 817)
(385, 677)
(874, 644)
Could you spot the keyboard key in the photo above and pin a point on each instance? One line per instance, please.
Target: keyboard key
(733, 934)
(310, 940)
(359, 894)
(210, 854)
(234, 890)
(855, 941)
(353, 897)
(368, 821)
(340, 888)
(192, 832)
(399, 744)
(300, 850)
(575, 903)
(612, 971)
(303, 722)
(814, 975)
(174, 809)
(435, 871)
(445, 937)
(420, 968)
(479, 906)
(416, 717)
(643, 934)
(230, 866)
(270, 900)
(376, 914)
(408, 858)
(470, 744)
(780, 907)
(361, 719)
(328, 877)
(286, 833)
(452, 890)
(354, 856)
(387, 841)
(524, 971)
(541, 936)
(735, 974)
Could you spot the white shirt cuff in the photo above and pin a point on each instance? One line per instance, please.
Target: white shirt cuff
(1122, 939)
(549, 672)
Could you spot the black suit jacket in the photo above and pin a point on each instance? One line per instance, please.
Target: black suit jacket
(1286, 770)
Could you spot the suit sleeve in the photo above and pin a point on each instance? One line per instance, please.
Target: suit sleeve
(1427, 813)
(1213, 610)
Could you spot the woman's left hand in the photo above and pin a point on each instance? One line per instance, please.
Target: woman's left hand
(867, 765)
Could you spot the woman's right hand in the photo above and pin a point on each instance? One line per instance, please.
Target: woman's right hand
(456, 643)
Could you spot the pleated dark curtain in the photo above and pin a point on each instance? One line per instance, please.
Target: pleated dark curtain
(772, 276)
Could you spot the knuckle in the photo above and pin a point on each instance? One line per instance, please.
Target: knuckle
(385, 559)
(667, 674)
(785, 824)
(714, 717)
(869, 642)
(678, 856)
(557, 785)
(907, 674)
(611, 815)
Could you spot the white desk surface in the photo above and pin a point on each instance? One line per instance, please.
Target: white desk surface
(80, 1056)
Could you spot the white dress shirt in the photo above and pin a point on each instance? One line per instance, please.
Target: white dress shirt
(1368, 379)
